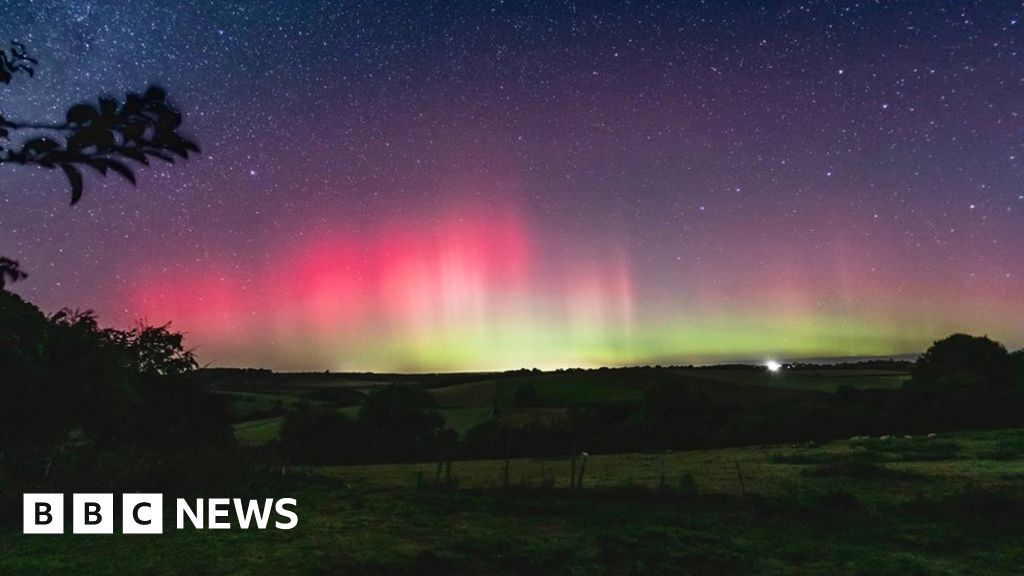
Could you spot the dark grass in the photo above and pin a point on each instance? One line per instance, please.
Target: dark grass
(547, 531)
(856, 470)
(912, 449)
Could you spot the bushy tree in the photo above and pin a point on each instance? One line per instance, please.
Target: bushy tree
(155, 350)
(68, 384)
(395, 424)
(403, 421)
(314, 435)
(965, 362)
(1017, 360)
(676, 417)
(526, 396)
(534, 437)
(59, 374)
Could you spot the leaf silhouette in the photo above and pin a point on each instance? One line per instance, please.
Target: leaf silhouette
(75, 179)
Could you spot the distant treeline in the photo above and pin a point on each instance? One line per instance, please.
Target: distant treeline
(962, 382)
(262, 377)
(888, 365)
(249, 378)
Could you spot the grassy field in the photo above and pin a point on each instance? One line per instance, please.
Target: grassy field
(254, 433)
(988, 459)
(947, 505)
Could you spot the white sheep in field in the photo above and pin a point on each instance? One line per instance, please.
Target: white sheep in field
(886, 437)
(933, 436)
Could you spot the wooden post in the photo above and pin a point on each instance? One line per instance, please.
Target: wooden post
(739, 474)
(508, 459)
(583, 466)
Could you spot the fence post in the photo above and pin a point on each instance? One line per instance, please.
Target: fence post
(508, 459)
(583, 466)
(739, 474)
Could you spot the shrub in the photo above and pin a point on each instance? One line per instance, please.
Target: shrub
(312, 435)
(686, 485)
(494, 439)
(402, 422)
(337, 396)
(525, 396)
(963, 360)
(75, 393)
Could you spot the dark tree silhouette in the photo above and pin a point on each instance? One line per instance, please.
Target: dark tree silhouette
(1017, 359)
(525, 396)
(103, 137)
(73, 389)
(317, 435)
(404, 421)
(962, 360)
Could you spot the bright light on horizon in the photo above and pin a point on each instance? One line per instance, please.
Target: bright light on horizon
(773, 366)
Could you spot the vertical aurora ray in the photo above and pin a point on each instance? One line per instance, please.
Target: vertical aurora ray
(460, 292)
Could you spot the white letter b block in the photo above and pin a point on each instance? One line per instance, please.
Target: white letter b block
(92, 514)
(43, 513)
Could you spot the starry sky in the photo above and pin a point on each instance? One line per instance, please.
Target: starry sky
(463, 185)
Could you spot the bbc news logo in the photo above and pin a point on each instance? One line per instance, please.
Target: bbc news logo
(144, 513)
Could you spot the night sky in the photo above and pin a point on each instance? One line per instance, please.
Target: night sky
(484, 185)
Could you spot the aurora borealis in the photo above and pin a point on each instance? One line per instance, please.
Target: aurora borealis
(411, 186)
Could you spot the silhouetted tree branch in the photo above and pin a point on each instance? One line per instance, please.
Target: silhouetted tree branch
(103, 136)
(14, 60)
(10, 271)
